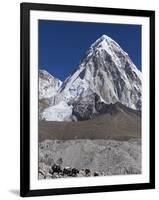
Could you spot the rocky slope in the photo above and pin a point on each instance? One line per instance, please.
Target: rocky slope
(77, 158)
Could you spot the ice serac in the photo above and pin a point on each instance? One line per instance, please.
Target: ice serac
(107, 72)
(48, 88)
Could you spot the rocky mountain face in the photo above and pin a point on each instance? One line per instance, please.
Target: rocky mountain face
(106, 75)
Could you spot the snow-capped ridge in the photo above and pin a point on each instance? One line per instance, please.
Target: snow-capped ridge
(48, 88)
(48, 84)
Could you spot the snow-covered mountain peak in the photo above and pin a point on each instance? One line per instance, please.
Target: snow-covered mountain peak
(105, 37)
(105, 47)
(108, 71)
(105, 72)
(104, 41)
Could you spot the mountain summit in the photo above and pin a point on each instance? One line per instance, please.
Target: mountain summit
(106, 74)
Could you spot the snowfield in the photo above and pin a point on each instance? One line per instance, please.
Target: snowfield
(59, 112)
(59, 158)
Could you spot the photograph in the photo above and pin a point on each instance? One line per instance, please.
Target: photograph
(90, 99)
(87, 99)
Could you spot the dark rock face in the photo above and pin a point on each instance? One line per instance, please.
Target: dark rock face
(84, 109)
(139, 104)
(90, 106)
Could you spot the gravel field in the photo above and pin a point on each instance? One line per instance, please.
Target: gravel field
(76, 158)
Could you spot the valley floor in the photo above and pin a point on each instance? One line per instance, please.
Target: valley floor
(85, 157)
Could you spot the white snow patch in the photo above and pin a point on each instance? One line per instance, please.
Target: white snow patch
(59, 112)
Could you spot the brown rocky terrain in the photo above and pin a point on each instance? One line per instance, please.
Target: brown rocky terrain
(118, 122)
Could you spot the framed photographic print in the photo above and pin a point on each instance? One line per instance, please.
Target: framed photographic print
(87, 99)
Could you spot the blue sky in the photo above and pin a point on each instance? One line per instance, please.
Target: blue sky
(62, 44)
